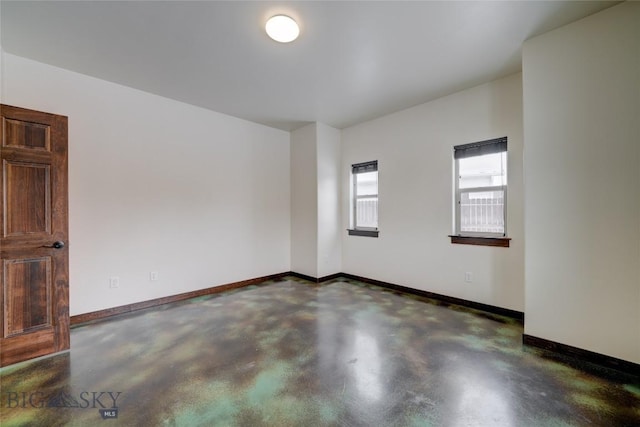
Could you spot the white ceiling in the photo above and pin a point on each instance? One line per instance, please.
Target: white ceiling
(354, 60)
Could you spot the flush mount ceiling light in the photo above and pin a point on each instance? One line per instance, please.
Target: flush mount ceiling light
(282, 28)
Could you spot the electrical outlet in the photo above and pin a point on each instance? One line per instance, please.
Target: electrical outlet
(468, 277)
(114, 282)
(153, 276)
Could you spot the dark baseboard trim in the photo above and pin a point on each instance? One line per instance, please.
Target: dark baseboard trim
(330, 277)
(315, 279)
(517, 315)
(303, 276)
(109, 312)
(114, 311)
(582, 355)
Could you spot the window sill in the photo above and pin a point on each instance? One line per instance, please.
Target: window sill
(502, 242)
(364, 233)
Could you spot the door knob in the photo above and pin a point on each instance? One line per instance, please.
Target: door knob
(56, 245)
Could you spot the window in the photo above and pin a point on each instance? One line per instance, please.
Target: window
(364, 206)
(481, 192)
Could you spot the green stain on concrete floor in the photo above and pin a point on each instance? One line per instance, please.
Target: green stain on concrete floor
(268, 385)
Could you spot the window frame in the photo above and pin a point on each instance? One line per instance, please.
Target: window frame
(490, 146)
(358, 168)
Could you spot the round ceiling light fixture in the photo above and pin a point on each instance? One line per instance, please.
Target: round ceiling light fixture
(282, 28)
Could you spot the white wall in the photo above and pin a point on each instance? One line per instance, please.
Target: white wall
(582, 162)
(329, 213)
(158, 185)
(315, 201)
(304, 201)
(414, 149)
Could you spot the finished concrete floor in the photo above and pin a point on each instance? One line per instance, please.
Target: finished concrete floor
(293, 353)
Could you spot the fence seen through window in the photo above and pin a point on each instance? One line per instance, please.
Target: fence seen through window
(481, 187)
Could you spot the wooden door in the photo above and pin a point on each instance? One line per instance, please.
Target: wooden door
(34, 261)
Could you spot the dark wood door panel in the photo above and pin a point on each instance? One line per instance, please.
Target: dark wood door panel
(27, 295)
(27, 193)
(24, 134)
